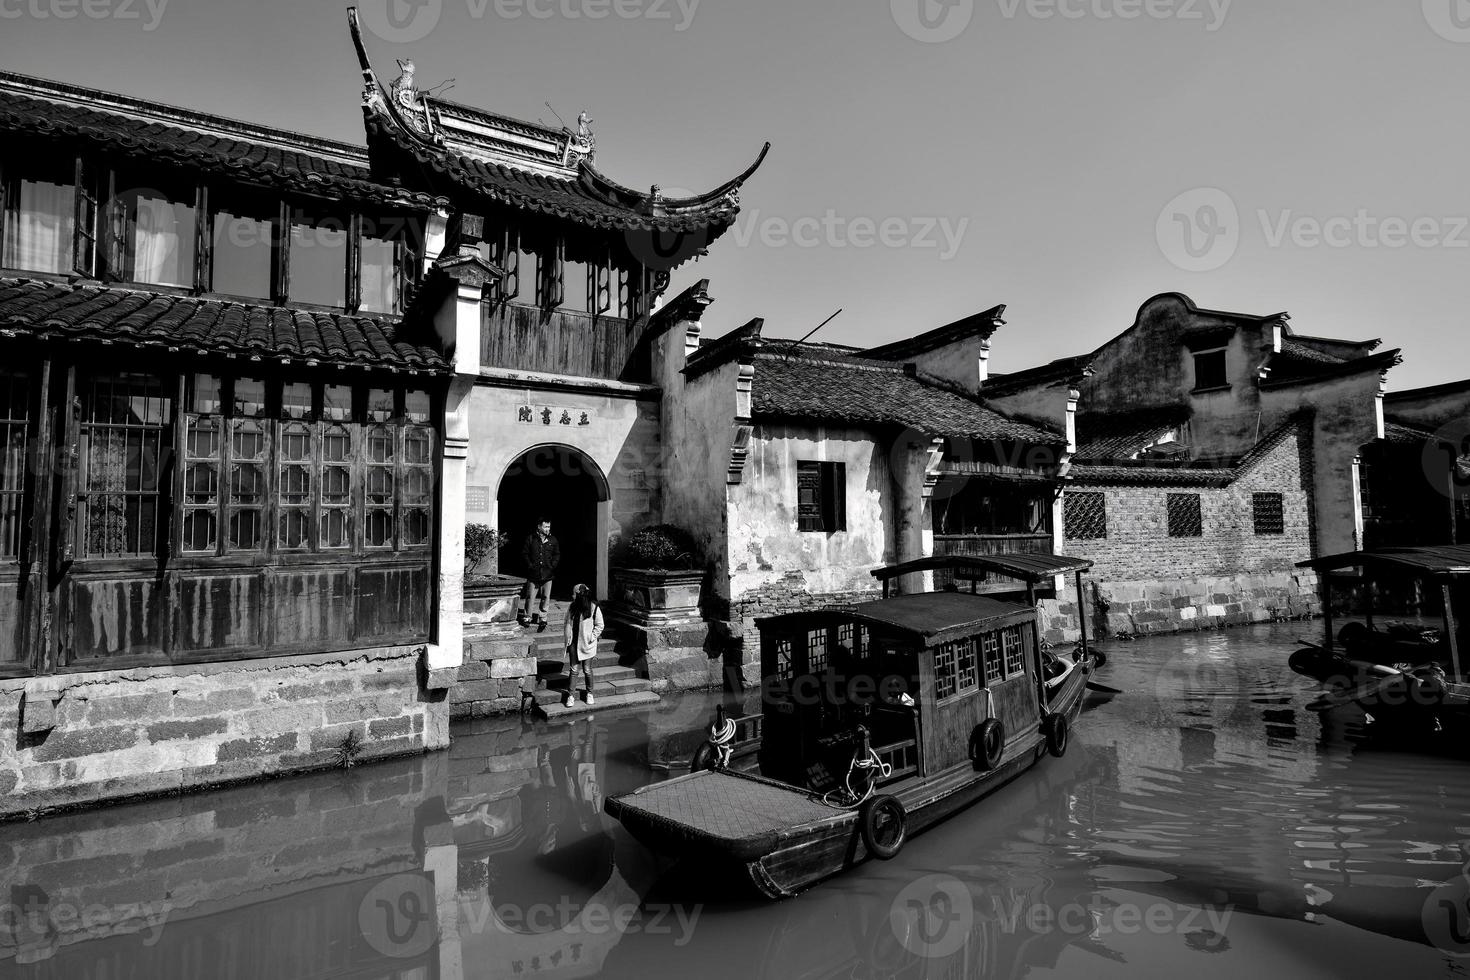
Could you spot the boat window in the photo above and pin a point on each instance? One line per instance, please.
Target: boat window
(969, 675)
(946, 677)
(816, 650)
(990, 654)
(1011, 645)
(783, 659)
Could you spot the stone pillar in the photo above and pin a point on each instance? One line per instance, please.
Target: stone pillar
(916, 462)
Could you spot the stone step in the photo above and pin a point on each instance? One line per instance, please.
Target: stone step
(602, 678)
(558, 710)
(622, 685)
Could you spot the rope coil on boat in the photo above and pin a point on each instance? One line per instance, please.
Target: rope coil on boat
(870, 762)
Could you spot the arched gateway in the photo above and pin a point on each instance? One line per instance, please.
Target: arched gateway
(563, 485)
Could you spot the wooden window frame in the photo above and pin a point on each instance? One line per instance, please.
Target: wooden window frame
(1222, 382)
(946, 672)
(991, 657)
(1012, 642)
(821, 496)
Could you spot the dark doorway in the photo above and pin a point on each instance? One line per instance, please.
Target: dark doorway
(560, 485)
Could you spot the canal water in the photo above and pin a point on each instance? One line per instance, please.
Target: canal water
(1202, 824)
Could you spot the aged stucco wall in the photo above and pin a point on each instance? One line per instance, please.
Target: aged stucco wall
(621, 438)
(1431, 407)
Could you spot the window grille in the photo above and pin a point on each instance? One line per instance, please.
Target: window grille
(783, 659)
(990, 656)
(1085, 516)
(125, 428)
(946, 677)
(15, 419)
(1184, 516)
(816, 651)
(1012, 645)
(969, 674)
(1269, 513)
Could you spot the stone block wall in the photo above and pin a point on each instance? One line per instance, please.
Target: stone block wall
(495, 674)
(1176, 605)
(85, 738)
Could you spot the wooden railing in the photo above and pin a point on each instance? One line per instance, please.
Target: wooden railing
(524, 338)
(901, 757)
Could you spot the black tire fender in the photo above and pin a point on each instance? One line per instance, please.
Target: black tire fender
(885, 826)
(704, 758)
(987, 744)
(1057, 733)
(1099, 659)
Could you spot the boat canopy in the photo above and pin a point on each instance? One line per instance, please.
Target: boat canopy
(1028, 568)
(929, 618)
(1441, 561)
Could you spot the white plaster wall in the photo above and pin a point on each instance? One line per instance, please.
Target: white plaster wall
(764, 542)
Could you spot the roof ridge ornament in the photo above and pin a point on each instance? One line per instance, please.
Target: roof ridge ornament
(403, 105)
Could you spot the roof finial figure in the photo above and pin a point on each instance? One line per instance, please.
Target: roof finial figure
(584, 125)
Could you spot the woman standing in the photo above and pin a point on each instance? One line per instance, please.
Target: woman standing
(583, 630)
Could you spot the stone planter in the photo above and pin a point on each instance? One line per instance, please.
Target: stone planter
(657, 616)
(491, 599)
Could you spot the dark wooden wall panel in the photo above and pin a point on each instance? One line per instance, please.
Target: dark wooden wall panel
(527, 339)
(220, 612)
(116, 618)
(310, 606)
(392, 602)
(12, 623)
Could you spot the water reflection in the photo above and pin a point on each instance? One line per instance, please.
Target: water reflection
(1203, 822)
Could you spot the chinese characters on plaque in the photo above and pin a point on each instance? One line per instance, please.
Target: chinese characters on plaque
(553, 415)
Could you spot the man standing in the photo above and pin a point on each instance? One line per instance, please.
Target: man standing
(540, 555)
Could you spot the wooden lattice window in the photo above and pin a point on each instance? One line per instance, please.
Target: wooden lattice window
(969, 673)
(816, 651)
(126, 423)
(1269, 513)
(821, 496)
(1012, 646)
(1085, 515)
(15, 419)
(946, 674)
(990, 656)
(202, 444)
(783, 659)
(1185, 520)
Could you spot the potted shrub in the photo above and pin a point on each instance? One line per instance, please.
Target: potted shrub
(657, 576)
(488, 596)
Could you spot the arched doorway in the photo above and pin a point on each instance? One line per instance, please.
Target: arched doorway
(562, 485)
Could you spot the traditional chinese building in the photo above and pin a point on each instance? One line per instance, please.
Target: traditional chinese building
(1214, 451)
(239, 367)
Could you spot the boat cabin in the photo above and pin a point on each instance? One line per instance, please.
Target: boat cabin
(920, 673)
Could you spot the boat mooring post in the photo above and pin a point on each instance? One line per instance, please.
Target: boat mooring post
(1082, 614)
(1449, 631)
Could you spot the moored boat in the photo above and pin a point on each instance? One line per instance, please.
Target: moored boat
(1407, 678)
(878, 720)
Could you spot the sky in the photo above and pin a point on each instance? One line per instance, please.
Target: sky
(931, 158)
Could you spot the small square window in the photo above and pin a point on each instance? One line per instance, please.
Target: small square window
(1209, 370)
(1185, 520)
(1085, 516)
(821, 496)
(1269, 512)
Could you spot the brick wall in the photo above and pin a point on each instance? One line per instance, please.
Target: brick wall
(776, 599)
(85, 738)
(1149, 582)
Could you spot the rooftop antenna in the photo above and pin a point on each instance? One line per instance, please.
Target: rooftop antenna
(443, 86)
(558, 116)
(813, 330)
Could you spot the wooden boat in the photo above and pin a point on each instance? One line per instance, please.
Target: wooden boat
(1407, 678)
(878, 720)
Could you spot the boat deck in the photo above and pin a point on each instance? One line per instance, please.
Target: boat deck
(724, 807)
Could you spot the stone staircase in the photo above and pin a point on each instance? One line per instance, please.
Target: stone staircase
(498, 658)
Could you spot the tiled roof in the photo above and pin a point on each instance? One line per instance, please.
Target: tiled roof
(573, 199)
(134, 316)
(1403, 433)
(1212, 475)
(278, 165)
(1122, 435)
(829, 388)
(1300, 362)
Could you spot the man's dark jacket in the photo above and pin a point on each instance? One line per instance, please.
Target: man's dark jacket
(540, 557)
